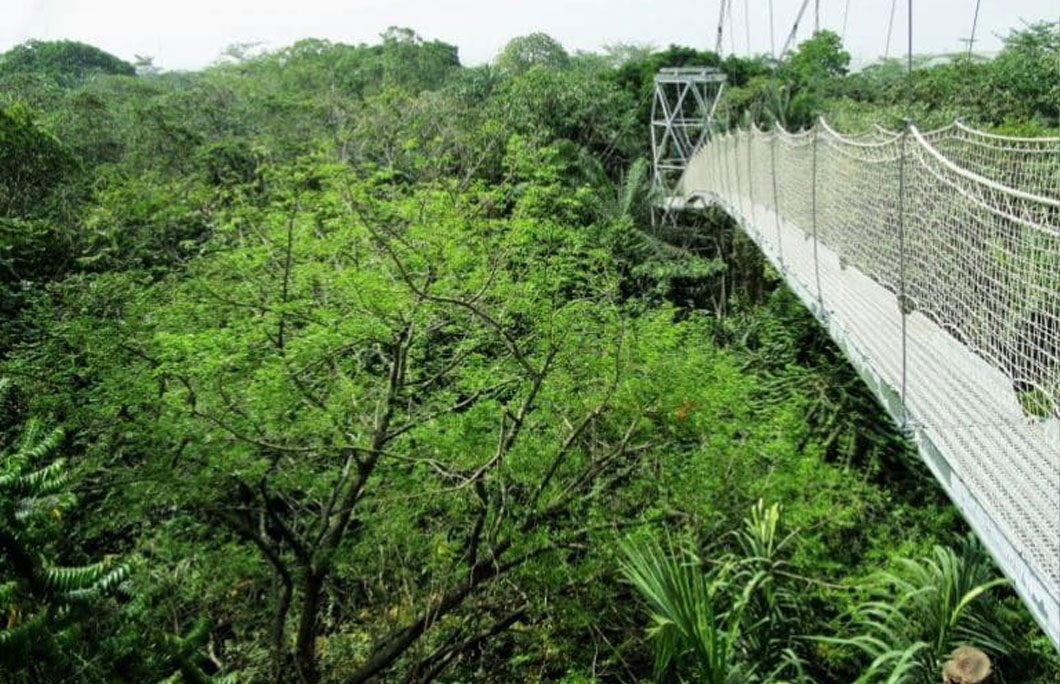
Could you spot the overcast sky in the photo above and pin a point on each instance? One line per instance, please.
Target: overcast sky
(186, 34)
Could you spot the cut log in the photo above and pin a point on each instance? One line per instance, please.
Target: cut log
(967, 665)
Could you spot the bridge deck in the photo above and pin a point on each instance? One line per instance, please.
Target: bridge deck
(1001, 468)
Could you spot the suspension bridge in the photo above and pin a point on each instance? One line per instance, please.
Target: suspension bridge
(932, 258)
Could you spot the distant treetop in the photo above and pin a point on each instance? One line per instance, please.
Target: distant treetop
(69, 62)
(526, 51)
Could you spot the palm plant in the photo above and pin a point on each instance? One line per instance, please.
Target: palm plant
(773, 610)
(917, 615)
(694, 629)
(731, 622)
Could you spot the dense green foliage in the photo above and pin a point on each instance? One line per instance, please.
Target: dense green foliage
(50, 607)
(68, 62)
(371, 367)
(536, 49)
(32, 163)
(732, 622)
(922, 612)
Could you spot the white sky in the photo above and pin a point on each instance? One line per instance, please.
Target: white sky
(192, 33)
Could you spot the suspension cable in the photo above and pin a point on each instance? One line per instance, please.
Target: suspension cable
(975, 25)
(813, 181)
(776, 193)
(750, 167)
(890, 28)
(721, 26)
(735, 141)
(813, 219)
(903, 299)
(732, 32)
(846, 14)
(795, 27)
(773, 142)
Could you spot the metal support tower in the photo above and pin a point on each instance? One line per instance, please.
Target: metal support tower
(681, 119)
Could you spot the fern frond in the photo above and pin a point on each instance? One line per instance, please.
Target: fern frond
(19, 636)
(52, 506)
(29, 436)
(106, 584)
(45, 602)
(44, 480)
(71, 578)
(9, 479)
(33, 447)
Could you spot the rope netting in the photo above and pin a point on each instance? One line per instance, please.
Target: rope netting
(935, 258)
(1029, 164)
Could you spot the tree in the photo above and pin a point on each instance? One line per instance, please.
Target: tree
(368, 359)
(32, 163)
(405, 357)
(240, 53)
(816, 60)
(572, 105)
(416, 64)
(1024, 82)
(618, 54)
(806, 73)
(68, 62)
(536, 49)
(145, 65)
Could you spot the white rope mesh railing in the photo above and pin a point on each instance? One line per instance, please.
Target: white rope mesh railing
(1029, 164)
(966, 225)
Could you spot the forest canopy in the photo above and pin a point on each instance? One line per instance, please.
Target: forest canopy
(351, 363)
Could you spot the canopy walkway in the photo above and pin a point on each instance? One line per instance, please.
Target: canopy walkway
(933, 260)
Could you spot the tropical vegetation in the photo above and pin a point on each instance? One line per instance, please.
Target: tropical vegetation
(352, 363)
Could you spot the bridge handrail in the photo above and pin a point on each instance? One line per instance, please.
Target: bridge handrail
(975, 177)
(856, 143)
(982, 203)
(1052, 140)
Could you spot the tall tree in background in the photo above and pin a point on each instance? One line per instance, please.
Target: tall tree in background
(68, 62)
(536, 49)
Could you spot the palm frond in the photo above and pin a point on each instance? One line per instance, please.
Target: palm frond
(924, 609)
(726, 622)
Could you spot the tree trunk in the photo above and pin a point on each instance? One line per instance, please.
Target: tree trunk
(967, 665)
(305, 655)
(279, 624)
